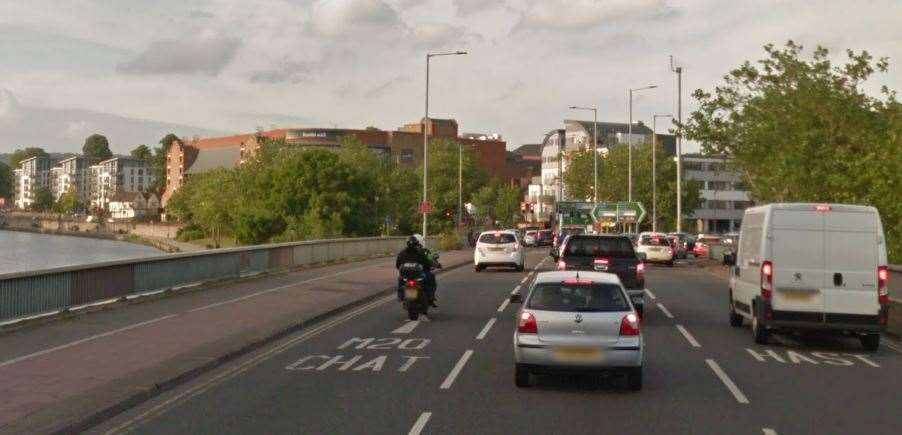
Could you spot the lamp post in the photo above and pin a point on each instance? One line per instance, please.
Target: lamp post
(429, 56)
(654, 171)
(679, 149)
(594, 149)
(629, 142)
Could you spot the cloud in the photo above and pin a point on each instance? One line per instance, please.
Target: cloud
(469, 7)
(285, 72)
(435, 35)
(206, 53)
(10, 113)
(568, 15)
(336, 18)
(200, 14)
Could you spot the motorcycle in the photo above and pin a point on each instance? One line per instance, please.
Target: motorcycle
(413, 294)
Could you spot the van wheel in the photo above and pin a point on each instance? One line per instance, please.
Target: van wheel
(479, 268)
(634, 379)
(735, 319)
(759, 331)
(521, 377)
(870, 342)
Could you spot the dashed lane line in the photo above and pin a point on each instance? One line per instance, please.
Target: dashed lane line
(406, 328)
(456, 370)
(768, 431)
(503, 305)
(665, 310)
(485, 329)
(650, 294)
(688, 336)
(737, 393)
(420, 424)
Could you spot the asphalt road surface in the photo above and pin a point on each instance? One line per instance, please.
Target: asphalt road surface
(371, 371)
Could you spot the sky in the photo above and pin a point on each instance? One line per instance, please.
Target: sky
(137, 69)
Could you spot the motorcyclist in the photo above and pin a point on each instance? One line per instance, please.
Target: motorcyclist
(416, 252)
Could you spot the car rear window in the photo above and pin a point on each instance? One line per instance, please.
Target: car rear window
(655, 241)
(599, 247)
(497, 239)
(583, 298)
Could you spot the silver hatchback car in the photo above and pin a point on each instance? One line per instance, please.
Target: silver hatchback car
(577, 321)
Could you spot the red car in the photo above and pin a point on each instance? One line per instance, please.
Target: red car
(701, 245)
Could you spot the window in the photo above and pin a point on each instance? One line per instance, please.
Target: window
(693, 166)
(583, 298)
(716, 166)
(741, 205)
(717, 204)
(497, 238)
(599, 247)
(718, 185)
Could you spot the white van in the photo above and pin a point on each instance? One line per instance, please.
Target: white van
(811, 266)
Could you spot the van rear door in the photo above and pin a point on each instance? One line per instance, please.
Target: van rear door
(850, 276)
(797, 238)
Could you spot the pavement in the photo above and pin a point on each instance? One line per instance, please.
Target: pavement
(369, 370)
(63, 374)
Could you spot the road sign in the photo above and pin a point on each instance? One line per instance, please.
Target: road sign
(424, 207)
(621, 212)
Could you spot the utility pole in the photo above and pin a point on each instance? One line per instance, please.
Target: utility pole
(654, 171)
(679, 151)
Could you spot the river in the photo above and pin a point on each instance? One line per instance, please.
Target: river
(21, 251)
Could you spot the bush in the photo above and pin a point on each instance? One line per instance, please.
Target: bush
(449, 241)
(188, 233)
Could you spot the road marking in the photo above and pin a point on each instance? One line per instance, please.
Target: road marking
(241, 368)
(768, 431)
(485, 329)
(688, 336)
(665, 310)
(84, 340)
(516, 289)
(281, 287)
(893, 346)
(504, 305)
(650, 294)
(727, 381)
(420, 424)
(525, 278)
(406, 328)
(456, 370)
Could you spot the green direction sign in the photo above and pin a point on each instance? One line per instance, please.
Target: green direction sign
(576, 213)
(621, 212)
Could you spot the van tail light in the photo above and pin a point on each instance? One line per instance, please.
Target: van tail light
(411, 283)
(767, 279)
(562, 265)
(629, 326)
(528, 325)
(882, 291)
(640, 270)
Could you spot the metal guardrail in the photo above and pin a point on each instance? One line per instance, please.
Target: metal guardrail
(25, 294)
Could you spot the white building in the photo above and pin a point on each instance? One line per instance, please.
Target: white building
(33, 173)
(724, 196)
(119, 174)
(75, 172)
(133, 205)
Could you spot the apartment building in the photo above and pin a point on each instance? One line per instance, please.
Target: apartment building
(724, 196)
(74, 172)
(119, 174)
(32, 174)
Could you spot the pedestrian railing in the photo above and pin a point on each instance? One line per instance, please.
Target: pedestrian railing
(26, 294)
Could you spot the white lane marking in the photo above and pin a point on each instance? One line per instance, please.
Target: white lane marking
(281, 287)
(420, 424)
(525, 278)
(516, 289)
(727, 381)
(688, 336)
(503, 305)
(241, 368)
(485, 329)
(893, 346)
(650, 294)
(456, 370)
(406, 328)
(665, 310)
(84, 340)
(768, 431)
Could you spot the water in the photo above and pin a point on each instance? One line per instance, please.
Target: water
(21, 252)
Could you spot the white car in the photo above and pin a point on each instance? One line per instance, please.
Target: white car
(811, 267)
(499, 248)
(655, 248)
(529, 239)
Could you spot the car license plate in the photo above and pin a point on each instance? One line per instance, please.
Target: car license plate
(795, 296)
(601, 267)
(578, 354)
(496, 249)
(638, 300)
(411, 294)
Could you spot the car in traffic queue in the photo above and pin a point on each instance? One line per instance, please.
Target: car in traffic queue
(530, 237)
(819, 267)
(606, 253)
(577, 321)
(544, 238)
(655, 248)
(500, 248)
(687, 242)
(702, 243)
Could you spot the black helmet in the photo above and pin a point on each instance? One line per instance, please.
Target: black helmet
(413, 242)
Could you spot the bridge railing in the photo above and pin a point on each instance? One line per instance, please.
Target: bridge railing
(26, 294)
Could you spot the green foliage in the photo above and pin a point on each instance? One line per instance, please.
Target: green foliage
(68, 202)
(43, 199)
(804, 130)
(96, 145)
(449, 241)
(444, 162)
(189, 233)
(27, 153)
(6, 181)
(613, 184)
(142, 152)
(158, 163)
(498, 205)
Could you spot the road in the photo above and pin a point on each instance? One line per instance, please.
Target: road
(370, 371)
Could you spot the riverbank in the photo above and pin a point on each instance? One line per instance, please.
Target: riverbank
(24, 250)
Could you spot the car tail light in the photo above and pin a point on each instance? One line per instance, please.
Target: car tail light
(629, 326)
(561, 265)
(767, 279)
(411, 283)
(577, 281)
(528, 325)
(640, 270)
(882, 278)
(823, 207)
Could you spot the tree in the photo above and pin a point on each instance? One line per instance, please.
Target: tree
(96, 145)
(802, 129)
(6, 181)
(142, 152)
(43, 199)
(443, 179)
(68, 202)
(27, 153)
(499, 204)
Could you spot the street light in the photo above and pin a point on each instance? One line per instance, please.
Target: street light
(679, 148)
(629, 142)
(654, 171)
(594, 148)
(429, 56)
